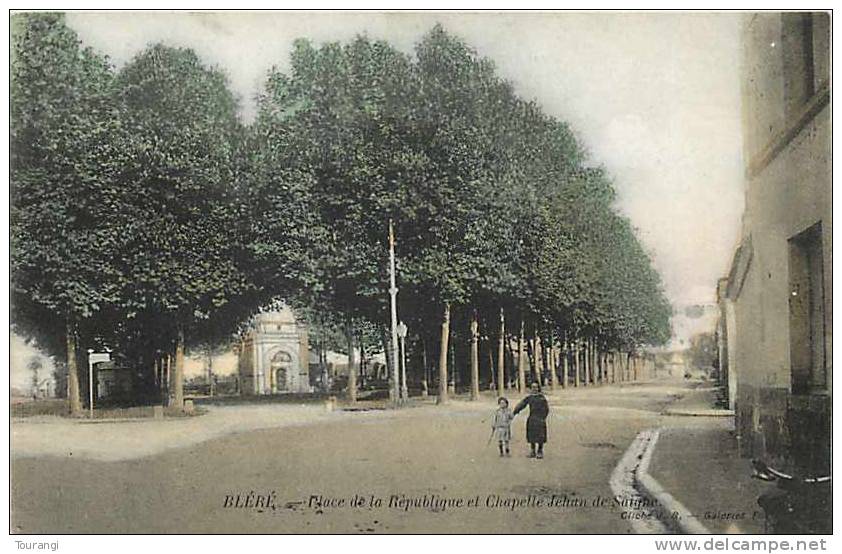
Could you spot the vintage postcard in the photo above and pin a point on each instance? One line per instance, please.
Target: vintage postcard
(420, 273)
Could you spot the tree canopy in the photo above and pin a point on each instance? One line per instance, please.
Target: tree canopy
(140, 199)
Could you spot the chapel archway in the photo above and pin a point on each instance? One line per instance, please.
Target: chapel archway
(281, 365)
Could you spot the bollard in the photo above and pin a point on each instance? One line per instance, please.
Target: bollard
(188, 406)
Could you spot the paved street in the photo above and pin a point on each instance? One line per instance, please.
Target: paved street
(62, 484)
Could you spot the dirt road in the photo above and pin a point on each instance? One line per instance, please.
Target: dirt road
(423, 470)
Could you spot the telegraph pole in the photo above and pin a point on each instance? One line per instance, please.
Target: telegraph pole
(402, 331)
(393, 292)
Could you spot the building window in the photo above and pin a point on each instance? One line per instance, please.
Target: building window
(797, 50)
(807, 312)
(821, 49)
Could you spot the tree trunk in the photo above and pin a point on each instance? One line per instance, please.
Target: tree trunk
(425, 382)
(168, 377)
(492, 380)
(352, 364)
(539, 359)
(455, 373)
(210, 370)
(603, 360)
(510, 365)
(619, 363)
(603, 374)
(577, 363)
(501, 356)
(606, 360)
(624, 364)
(618, 368)
(474, 356)
(363, 362)
(598, 364)
(626, 372)
(178, 374)
(445, 337)
(551, 363)
(521, 359)
(565, 363)
(73, 392)
(587, 359)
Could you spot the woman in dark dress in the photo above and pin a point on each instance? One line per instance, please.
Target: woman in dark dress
(536, 423)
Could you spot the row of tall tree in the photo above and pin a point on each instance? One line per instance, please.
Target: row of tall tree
(147, 215)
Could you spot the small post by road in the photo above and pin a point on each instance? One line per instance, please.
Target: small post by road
(474, 356)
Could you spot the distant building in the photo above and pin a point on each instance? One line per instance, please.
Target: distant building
(727, 378)
(274, 356)
(671, 363)
(777, 303)
(115, 384)
(46, 388)
(689, 320)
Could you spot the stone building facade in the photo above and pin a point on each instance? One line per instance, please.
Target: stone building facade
(274, 355)
(777, 303)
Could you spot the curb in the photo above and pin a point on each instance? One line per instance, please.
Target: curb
(699, 413)
(685, 522)
(624, 484)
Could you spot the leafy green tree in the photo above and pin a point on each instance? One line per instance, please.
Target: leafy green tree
(185, 263)
(64, 205)
(172, 224)
(493, 205)
(35, 365)
(339, 126)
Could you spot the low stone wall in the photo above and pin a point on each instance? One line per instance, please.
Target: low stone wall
(61, 408)
(779, 427)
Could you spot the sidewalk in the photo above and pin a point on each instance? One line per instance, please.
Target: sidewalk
(701, 469)
(699, 465)
(114, 440)
(699, 401)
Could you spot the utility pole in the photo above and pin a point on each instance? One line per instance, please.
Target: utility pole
(393, 292)
(501, 356)
(402, 331)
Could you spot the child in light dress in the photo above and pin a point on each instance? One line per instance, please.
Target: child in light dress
(501, 425)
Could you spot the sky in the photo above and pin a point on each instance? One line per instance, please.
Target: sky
(654, 97)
